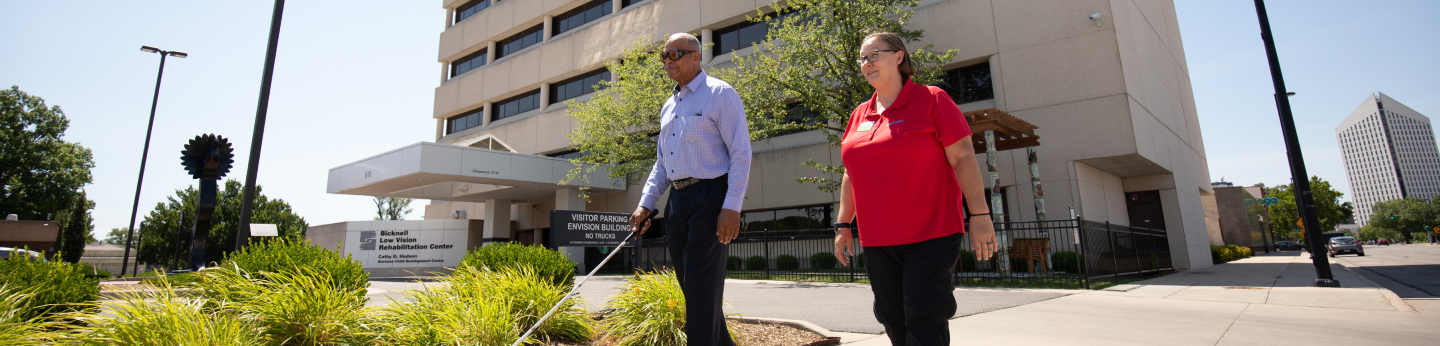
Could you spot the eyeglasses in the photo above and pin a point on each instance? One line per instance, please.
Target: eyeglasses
(674, 54)
(873, 56)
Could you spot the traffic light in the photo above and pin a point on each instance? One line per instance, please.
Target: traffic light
(1392, 216)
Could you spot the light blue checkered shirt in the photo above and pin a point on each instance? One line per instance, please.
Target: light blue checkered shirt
(703, 134)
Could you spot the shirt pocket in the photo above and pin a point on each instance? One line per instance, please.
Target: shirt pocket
(697, 128)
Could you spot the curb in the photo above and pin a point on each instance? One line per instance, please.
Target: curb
(830, 337)
(1394, 299)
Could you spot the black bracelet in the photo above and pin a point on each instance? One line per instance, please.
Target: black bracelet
(844, 225)
(974, 215)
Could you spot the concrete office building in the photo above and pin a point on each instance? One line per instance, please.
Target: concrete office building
(1389, 151)
(1120, 136)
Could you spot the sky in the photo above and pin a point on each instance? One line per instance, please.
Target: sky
(356, 78)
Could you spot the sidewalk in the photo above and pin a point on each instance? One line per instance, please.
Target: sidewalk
(1263, 300)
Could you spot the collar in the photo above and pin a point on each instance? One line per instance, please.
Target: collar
(695, 83)
(900, 100)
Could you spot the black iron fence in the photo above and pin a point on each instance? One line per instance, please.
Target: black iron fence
(1061, 253)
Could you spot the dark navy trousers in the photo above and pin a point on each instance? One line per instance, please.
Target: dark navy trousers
(914, 292)
(690, 225)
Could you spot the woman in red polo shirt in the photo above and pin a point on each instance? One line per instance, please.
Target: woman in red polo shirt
(908, 158)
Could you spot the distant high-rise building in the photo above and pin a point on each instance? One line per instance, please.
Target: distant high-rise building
(1389, 152)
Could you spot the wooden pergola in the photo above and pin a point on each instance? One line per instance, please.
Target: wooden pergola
(992, 131)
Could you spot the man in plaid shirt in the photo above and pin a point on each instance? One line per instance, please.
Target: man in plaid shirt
(703, 157)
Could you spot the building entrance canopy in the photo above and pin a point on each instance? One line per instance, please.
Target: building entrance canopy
(455, 173)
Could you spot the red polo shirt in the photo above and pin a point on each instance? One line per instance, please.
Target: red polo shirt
(905, 190)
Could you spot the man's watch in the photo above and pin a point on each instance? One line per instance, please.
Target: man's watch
(844, 225)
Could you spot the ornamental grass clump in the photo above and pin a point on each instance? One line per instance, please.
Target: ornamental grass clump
(476, 306)
(16, 327)
(546, 263)
(55, 286)
(648, 311)
(161, 317)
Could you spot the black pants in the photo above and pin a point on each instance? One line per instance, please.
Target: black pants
(914, 289)
(690, 225)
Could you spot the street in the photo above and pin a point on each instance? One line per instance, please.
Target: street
(1411, 271)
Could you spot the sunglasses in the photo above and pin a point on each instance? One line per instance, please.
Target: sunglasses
(674, 54)
(873, 56)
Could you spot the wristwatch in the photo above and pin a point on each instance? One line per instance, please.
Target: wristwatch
(843, 225)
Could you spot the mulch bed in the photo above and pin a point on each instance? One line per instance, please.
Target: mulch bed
(758, 333)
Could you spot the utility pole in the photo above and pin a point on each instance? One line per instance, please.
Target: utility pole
(1304, 200)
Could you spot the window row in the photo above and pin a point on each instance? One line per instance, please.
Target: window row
(559, 92)
(470, 9)
(518, 42)
(578, 86)
(582, 15)
(469, 62)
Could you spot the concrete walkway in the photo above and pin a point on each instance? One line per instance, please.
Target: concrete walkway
(1263, 300)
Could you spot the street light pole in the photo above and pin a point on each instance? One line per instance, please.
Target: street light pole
(145, 154)
(1304, 200)
(247, 200)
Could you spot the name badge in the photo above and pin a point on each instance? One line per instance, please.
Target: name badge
(865, 126)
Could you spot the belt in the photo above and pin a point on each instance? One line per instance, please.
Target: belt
(683, 183)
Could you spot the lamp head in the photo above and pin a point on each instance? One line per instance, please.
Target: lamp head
(179, 54)
(149, 49)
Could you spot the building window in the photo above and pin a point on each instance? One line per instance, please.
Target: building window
(464, 121)
(793, 219)
(470, 9)
(578, 86)
(627, 3)
(968, 84)
(469, 62)
(579, 16)
(516, 105)
(515, 43)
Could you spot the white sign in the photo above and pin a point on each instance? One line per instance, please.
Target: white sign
(264, 230)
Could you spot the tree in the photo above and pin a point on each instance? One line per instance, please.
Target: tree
(165, 232)
(75, 229)
(1284, 215)
(1347, 212)
(117, 236)
(40, 173)
(805, 78)
(392, 208)
(1407, 216)
(1373, 232)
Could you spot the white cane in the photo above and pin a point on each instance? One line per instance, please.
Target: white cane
(577, 285)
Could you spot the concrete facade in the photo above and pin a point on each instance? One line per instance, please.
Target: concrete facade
(1113, 102)
(1389, 152)
(1241, 217)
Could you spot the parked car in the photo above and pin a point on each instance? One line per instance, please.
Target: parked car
(1340, 245)
(1288, 245)
(1385, 242)
(6, 252)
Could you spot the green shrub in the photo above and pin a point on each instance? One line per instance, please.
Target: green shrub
(283, 255)
(1235, 251)
(546, 263)
(1067, 261)
(755, 263)
(823, 260)
(175, 280)
(56, 286)
(787, 262)
(1221, 254)
(966, 262)
(733, 263)
(650, 310)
